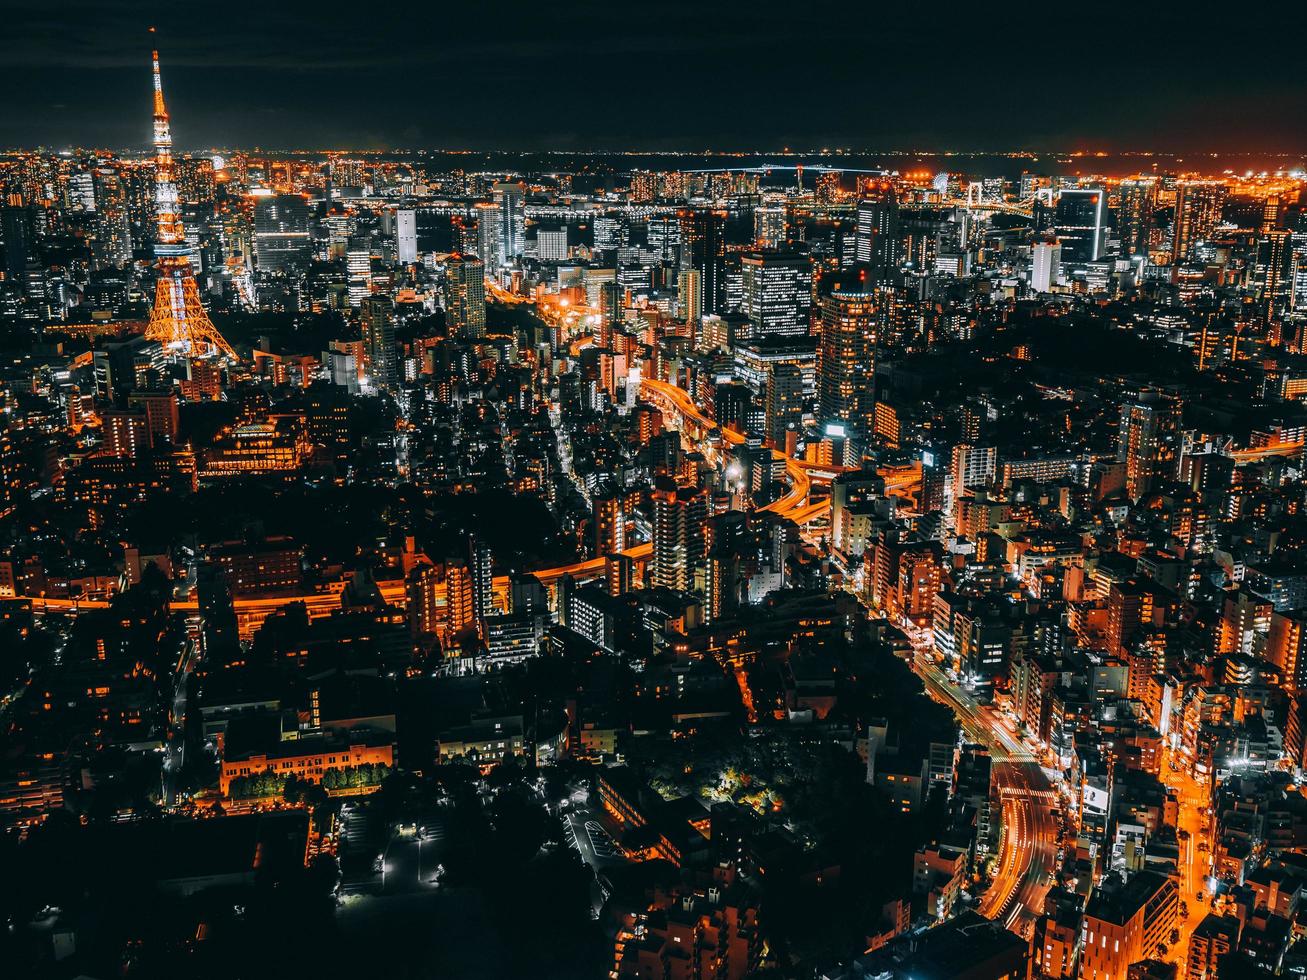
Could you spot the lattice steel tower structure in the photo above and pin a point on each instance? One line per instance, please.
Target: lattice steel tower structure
(178, 319)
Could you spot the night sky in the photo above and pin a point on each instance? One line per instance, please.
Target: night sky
(658, 74)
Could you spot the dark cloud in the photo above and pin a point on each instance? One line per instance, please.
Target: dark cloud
(659, 74)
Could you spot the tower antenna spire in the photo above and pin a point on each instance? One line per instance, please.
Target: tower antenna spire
(178, 319)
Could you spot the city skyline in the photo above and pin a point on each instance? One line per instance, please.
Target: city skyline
(646, 566)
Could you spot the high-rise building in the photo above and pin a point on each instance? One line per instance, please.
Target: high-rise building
(1045, 266)
(465, 297)
(769, 226)
(1125, 925)
(1286, 647)
(877, 242)
(1147, 440)
(510, 199)
(281, 231)
(1135, 215)
(358, 267)
(1197, 212)
(489, 247)
(846, 350)
(703, 249)
(777, 293)
(1079, 223)
(1272, 275)
(483, 582)
(973, 466)
(16, 237)
(551, 243)
(406, 236)
(112, 248)
(679, 515)
(609, 524)
(379, 339)
(785, 402)
(689, 295)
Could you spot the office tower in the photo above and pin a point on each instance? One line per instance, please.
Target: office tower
(609, 523)
(877, 235)
(679, 515)
(406, 236)
(1197, 213)
(510, 198)
(178, 320)
(465, 297)
(777, 294)
(664, 237)
(551, 243)
(379, 339)
(785, 403)
(703, 249)
(1147, 440)
(1078, 221)
(689, 295)
(489, 249)
(610, 233)
(112, 248)
(281, 231)
(16, 238)
(1273, 273)
(81, 191)
(769, 226)
(1135, 215)
(846, 351)
(1045, 266)
(1126, 924)
(358, 268)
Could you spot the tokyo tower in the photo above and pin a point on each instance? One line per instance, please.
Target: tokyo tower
(178, 320)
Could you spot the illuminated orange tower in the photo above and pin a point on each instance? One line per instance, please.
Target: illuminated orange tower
(178, 319)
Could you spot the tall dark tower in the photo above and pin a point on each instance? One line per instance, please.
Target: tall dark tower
(178, 319)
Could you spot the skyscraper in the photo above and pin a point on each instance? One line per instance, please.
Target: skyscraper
(406, 236)
(488, 243)
(877, 235)
(846, 350)
(379, 336)
(1197, 213)
(465, 297)
(1135, 215)
(113, 230)
(1079, 220)
(777, 293)
(1045, 265)
(15, 234)
(679, 515)
(358, 266)
(1146, 440)
(785, 402)
(281, 231)
(703, 249)
(510, 198)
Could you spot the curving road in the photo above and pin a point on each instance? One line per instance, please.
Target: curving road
(1029, 843)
